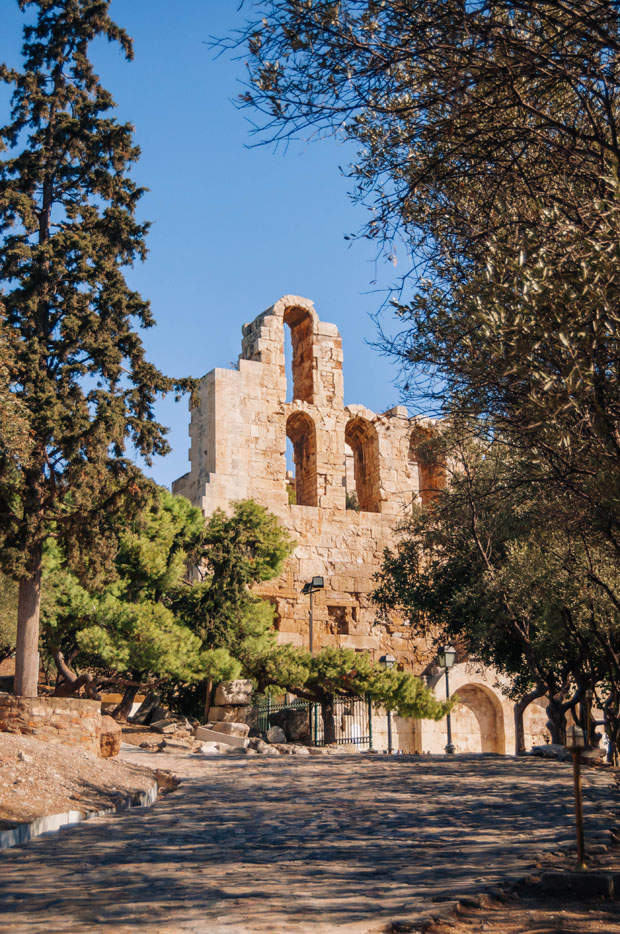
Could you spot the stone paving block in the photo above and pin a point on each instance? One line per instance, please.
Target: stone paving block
(292, 845)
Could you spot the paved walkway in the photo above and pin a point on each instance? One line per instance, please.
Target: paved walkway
(300, 845)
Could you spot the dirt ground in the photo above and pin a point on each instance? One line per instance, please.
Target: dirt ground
(528, 912)
(38, 779)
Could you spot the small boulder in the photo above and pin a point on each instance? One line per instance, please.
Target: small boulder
(212, 749)
(258, 744)
(298, 750)
(275, 734)
(111, 738)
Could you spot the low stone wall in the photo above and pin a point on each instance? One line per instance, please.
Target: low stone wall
(64, 720)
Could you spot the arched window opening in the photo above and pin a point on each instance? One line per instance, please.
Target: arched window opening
(302, 364)
(351, 499)
(361, 437)
(302, 434)
(431, 475)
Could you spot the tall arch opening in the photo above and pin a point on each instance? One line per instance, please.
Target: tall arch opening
(431, 475)
(302, 365)
(478, 721)
(362, 439)
(301, 432)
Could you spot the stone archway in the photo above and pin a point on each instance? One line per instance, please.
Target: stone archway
(478, 721)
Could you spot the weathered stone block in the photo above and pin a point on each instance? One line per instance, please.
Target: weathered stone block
(211, 736)
(231, 729)
(229, 714)
(235, 693)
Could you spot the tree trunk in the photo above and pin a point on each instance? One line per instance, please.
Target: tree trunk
(519, 710)
(122, 711)
(27, 649)
(556, 721)
(209, 689)
(329, 722)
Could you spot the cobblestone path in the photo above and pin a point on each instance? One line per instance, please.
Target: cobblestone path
(302, 845)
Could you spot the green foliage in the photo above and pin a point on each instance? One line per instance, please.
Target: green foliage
(344, 673)
(8, 616)
(176, 605)
(486, 137)
(76, 368)
(247, 547)
(125, 626)
(507, 572)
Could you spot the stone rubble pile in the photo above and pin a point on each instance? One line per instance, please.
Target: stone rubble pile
(231, 719)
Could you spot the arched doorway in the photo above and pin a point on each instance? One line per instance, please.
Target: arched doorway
(301, 431)
(478, 721)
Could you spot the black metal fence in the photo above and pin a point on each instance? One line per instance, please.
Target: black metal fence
(353, 719)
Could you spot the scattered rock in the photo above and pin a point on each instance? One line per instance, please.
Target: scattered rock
(552, 751)
(236, 693)
(111, 738)
(213, 749)
(26, 758)
(164, 726)
(171, 745)
(275, 734)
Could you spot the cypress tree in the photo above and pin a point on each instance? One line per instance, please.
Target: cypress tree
(77, 365)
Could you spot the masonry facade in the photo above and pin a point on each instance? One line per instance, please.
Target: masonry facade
(343, 455)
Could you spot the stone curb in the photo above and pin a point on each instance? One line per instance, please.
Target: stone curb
(15, 836)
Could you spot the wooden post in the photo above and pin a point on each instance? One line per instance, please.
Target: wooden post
(581, 856)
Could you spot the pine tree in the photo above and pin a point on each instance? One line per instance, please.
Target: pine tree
(77, 366)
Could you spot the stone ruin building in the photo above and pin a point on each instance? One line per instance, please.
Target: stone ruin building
(344, 456)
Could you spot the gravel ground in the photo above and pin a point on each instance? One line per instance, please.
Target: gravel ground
(38, 779)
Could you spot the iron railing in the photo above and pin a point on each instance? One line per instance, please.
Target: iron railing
(353, 719)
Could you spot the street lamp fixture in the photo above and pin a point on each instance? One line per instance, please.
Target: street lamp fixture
(575, 742)
(311, 587)
(388, 661)
(446, 659)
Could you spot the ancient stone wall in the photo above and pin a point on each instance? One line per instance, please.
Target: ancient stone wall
(68, 721)
(238, 450)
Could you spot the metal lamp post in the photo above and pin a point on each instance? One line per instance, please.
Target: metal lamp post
(589, 695)
(388, 661)
(317, 583)
(575, 742)
(446, 659)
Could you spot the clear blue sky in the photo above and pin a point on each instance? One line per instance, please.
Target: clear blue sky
(234, 228)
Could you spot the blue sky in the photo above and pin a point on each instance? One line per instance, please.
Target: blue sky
(234, 226)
